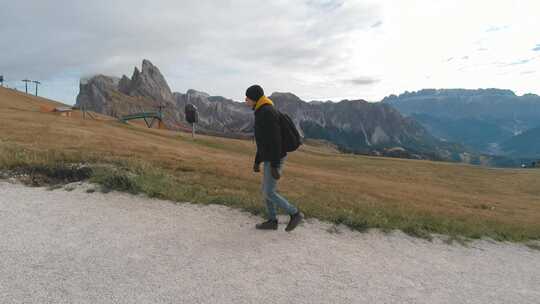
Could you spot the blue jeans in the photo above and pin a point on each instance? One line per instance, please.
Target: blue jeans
(270, 194)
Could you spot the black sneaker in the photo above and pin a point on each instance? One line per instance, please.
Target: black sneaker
(295, 220)
(268, 225)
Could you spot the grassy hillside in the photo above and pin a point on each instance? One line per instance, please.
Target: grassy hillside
(418, 197)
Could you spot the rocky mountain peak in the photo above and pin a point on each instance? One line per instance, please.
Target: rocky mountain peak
(285, 96)
(147, 82)
(95, 92)
(150, 83)
(194, 93)
(124, 85)
(147, 65)
(136, 74)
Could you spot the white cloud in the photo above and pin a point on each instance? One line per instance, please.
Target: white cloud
(319, 49)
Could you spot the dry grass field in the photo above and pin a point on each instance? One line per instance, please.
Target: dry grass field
(418, 197)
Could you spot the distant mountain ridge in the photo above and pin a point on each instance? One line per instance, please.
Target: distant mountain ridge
(354, 125)
(364, 127)
(482, 119)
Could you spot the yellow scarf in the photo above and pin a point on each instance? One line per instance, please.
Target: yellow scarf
(262, 101)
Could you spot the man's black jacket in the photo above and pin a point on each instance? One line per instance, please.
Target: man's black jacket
(268, 136)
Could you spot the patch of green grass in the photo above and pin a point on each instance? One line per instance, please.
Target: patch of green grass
(54, 187)
(158, 183)
(534, 246)
(114, 179)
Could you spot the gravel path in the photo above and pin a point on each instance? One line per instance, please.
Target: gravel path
(75, 247)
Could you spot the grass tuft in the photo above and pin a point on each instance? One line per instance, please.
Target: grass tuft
(534, 246)
(112, 179)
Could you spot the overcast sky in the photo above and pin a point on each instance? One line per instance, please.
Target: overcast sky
(318, 49)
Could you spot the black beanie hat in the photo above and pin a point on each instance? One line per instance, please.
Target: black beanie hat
(254, 92)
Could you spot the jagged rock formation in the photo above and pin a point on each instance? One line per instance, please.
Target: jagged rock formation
(353, 125)
(149, 83)
(96, 93)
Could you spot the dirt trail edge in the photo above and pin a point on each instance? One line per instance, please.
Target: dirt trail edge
(77, 247)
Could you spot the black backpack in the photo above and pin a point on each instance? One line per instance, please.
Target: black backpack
(290, 137)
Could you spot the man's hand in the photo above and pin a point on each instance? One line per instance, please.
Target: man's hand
(275, 173)
(256, 168)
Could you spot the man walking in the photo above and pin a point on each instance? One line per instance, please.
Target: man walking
(271, 153)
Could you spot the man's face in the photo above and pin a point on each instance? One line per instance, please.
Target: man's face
(250, 103)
